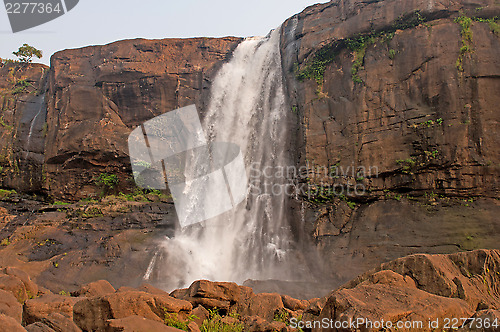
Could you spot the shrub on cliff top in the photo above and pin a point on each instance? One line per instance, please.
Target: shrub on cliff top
(26, 53)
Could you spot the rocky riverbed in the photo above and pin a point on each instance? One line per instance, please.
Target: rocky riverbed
(81, 266)
(409, 290)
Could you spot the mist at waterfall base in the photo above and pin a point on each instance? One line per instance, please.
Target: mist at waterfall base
(256, 240)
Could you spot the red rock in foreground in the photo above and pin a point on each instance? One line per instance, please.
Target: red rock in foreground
(417, 289)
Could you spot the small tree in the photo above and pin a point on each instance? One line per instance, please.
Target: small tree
(26, 53)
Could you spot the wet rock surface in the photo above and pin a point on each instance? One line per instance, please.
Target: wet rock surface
(66, 246)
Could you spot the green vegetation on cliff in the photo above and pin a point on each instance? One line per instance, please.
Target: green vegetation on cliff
(314, 67)
(172, 320)
(465, 23)
(359, 44)
(466, 33)
(21, 86)
(107, 182)
(492, 23)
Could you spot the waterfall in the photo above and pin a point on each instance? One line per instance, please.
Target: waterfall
(247, 107)
(40, 102)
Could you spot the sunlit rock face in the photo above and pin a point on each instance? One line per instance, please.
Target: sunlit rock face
(98, 95)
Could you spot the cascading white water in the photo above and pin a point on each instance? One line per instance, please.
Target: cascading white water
(33, 122)
(253, 241)
(39, 102)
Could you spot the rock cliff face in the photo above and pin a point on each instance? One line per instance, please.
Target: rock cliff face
(395, 93)
(97, 95)
(404, 93)
(22, 128)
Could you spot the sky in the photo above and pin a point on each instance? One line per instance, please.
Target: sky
(96, 22)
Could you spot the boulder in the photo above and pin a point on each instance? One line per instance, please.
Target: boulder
(93, 313)
(418, 288)
(97, 288)
(294, 304)
(221, 295)
(470, 276)
(124, 289)
(44, 291)
(377, 302)
(42, 307)
(388, 277)
(314, 308)
(484, 320)
(193, 327)
(151, 290)
(9, 324)
(9, 306)
(201, 314)
(60, 323)
(255, 323)
(30, 286)
(316, 305)
(264, 305)
(38, 327)
(276, 326)
(259, 324)
(15, 286)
